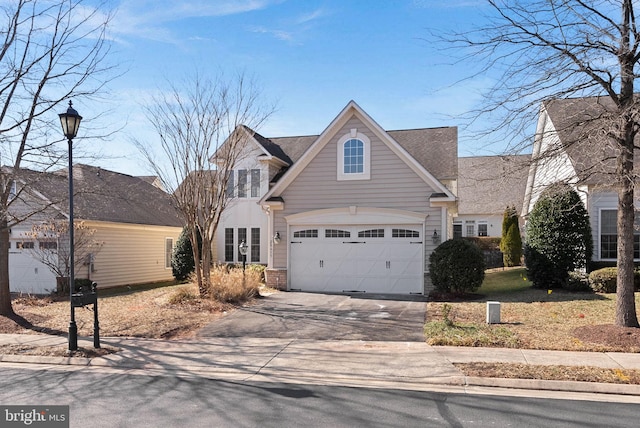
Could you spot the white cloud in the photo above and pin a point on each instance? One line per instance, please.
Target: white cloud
(147, 18)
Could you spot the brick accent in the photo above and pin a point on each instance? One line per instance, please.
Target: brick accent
(276, 278)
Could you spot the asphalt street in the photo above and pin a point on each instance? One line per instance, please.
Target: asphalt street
(99, 399)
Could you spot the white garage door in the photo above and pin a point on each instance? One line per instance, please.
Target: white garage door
(28, 275)
(374, 259)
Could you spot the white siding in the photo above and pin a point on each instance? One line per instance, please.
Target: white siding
(557, 168)
(245, 212)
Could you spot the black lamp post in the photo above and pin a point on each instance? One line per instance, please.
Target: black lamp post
(244, 248)
(70, 121)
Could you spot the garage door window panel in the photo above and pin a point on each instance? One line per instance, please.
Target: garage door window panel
(309, 233)
(371, 233)
(405, 233)
(336, 233)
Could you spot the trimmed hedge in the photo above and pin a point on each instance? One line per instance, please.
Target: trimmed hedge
(605, 280)
(457, 266)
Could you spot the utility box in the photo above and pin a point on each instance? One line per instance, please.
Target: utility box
(493, 312)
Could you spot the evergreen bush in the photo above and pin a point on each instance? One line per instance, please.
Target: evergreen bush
(511, 241)
(182, 263)
(605, 280)
(558, 237)
(457, 266)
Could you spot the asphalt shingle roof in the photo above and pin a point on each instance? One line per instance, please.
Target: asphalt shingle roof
(436, 149)
(580, 125)
(488, 184)
(104, 195)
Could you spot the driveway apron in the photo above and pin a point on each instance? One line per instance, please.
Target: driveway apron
(296, 315)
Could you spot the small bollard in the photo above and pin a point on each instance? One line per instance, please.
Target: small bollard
(493, 312)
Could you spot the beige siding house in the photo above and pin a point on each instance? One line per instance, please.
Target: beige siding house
(487, 185)
(570, 147)
(131, 217)
(356, 209)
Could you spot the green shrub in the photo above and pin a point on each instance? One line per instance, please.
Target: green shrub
(182, 263)
(511, 241)
(457, 266)
(577, 281)
(605, 280)
(558, 237)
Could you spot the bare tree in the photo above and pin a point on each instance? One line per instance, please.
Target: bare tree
(203, 127)
(50, 50)
(551, 49)
(53, 247)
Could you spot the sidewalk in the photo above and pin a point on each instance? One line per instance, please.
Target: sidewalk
(403, 365)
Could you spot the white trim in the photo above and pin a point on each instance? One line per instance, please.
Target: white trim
(355, 215)
(366, 162)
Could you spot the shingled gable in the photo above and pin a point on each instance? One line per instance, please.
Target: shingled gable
(441, 156)
(104, 195)
(578, 124)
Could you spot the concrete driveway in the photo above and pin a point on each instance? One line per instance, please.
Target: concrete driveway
(296, 315)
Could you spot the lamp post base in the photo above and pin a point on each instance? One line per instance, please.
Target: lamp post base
(73, 336)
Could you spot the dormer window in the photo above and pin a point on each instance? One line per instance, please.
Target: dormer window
(354, 156)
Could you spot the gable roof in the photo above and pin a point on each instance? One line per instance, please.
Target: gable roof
(104, 195)
(353, 109)
(580, 126)
(436, 149)
(488, 184)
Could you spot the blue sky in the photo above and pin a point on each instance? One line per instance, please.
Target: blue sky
(310, 57)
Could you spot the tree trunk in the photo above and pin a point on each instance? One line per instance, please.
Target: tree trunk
(625, 298)
(196, 258)
(5, 294)
(205, 291)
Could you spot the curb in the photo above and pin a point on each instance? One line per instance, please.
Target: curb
(555, 385)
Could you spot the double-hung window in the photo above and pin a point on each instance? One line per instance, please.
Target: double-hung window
(609, 236)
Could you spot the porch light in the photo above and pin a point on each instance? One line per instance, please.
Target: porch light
(244, 248)
(435, 237)
(276, 238)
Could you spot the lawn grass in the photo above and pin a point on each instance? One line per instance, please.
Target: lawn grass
(532, 318)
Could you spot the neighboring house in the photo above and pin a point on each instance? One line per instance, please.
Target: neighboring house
(571, 147)
(354, 209)
(486, 186)
(133, 218)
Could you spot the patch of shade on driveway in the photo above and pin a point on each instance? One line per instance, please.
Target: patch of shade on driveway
(294, 315)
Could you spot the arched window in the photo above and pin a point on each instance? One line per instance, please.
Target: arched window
(354, 156)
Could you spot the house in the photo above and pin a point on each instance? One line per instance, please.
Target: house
(131, 217)
(354, 209)
(571, 147)
(487, 185)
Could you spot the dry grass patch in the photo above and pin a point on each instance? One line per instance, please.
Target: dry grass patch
(537, 319)
(561, 373)
(153, 313)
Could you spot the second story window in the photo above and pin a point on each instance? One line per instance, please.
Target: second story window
(354, 156)
(242, 183)
(255, 183)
